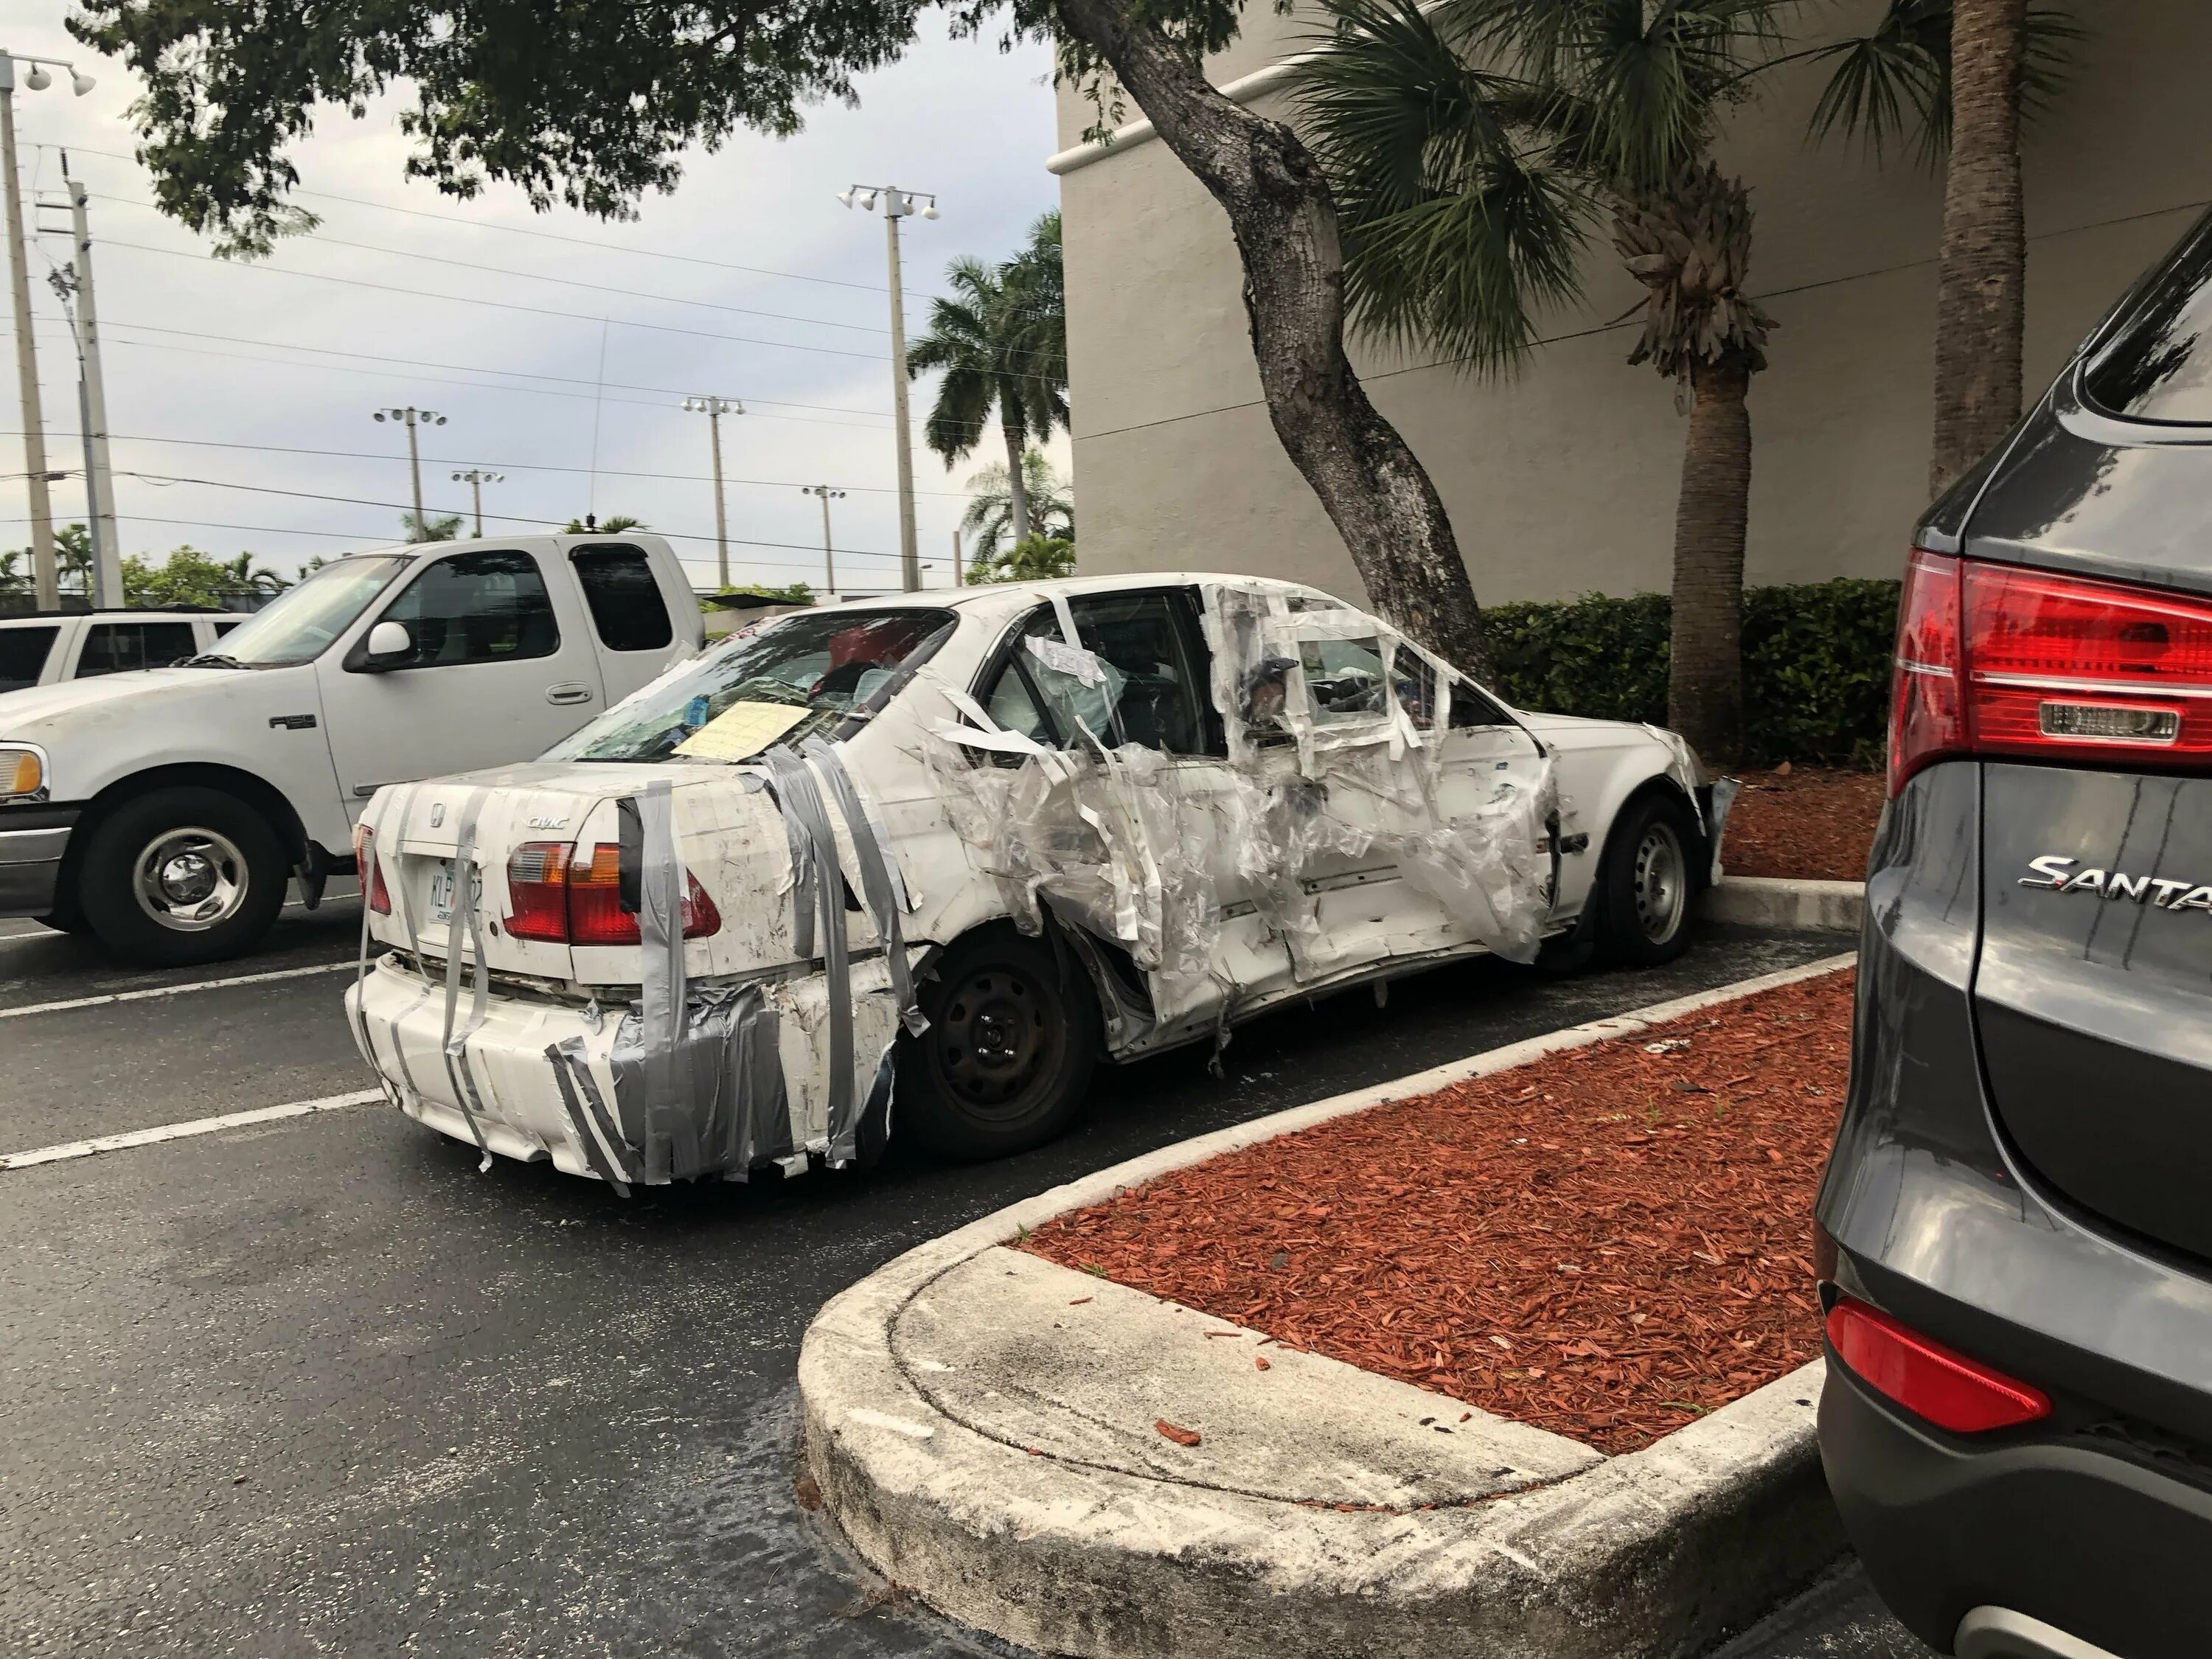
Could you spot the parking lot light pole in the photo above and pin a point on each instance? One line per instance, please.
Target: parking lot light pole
(829, 558)
(476, 478)
(713, 408)
(411, 417)
(898, 204)
(45, 575)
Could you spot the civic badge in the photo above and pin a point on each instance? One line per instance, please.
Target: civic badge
(437, 813)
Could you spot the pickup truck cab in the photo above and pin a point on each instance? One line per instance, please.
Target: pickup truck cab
(164, 809)
(50, 646)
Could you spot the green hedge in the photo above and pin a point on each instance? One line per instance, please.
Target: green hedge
(1815, 665)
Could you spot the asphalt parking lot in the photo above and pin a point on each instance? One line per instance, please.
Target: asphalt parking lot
(315, 1386)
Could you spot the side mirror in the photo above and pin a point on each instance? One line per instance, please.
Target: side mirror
(387, 639)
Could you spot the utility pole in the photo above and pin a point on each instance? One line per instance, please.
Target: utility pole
(898, 204)
(828, 557)
(75, 286)
(45, 575)
(412, 417)
(959, 570)
(476, 477)
(713, 408)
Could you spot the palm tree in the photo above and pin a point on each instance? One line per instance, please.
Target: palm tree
(613, 524)
(990, 517)
(1961, 75)
(1000, 338)
(1467, 194)
(431, 527)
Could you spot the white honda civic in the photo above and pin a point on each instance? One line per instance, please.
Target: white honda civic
(918, 864)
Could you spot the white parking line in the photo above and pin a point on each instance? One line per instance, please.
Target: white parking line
(198, 1126)
(175, 990)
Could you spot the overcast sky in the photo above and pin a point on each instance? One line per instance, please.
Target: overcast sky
(571, 387)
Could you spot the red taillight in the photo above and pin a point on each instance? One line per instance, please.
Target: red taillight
(1996, 659)
(557, 894)
(1930, 1381)
(368, 872)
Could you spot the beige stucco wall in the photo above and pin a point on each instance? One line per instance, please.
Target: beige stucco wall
(1563, 479)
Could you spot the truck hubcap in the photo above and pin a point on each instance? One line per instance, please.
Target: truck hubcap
(190, 880)
(1661, 883)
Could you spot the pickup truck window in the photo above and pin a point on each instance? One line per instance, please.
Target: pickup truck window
(24, 655)
(829, 665)
(475, 607)
(625, 600)
(299, 626)
(117, 647)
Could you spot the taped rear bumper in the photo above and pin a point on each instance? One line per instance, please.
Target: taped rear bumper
(745, 1082)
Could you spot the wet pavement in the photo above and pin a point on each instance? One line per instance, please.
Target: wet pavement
(315, 1386)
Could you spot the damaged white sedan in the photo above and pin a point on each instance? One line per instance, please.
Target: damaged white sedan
(923, 862)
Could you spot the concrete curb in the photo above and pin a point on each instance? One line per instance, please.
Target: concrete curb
(1812, 907)
(1651, 1555)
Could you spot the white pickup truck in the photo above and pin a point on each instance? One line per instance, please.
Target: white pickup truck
(165, 809)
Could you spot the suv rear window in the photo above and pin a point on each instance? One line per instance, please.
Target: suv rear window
(24, 655)
(2158, 364)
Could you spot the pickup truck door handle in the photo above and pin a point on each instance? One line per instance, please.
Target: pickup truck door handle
(568, 692)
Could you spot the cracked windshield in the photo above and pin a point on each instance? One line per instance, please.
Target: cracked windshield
(789, 680)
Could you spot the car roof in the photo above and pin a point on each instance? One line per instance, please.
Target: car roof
(110, 612)
(997, 596)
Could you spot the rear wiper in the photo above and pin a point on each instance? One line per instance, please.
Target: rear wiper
(211, 660)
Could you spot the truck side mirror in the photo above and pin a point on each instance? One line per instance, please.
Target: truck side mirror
(388, 640)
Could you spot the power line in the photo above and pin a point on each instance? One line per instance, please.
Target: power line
(520, 230)
(538, 275)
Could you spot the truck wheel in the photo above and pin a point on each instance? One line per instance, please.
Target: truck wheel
(182, 876)
(1649, 880)
(1006, 1060)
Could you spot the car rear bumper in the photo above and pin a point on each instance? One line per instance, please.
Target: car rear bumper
(745, 1083)
(2100, 1547)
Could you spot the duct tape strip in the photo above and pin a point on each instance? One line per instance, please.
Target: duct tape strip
(407, 813)
(594, 1133)
(879, 876)
(466, 898)
(661, 882)
(801, 801)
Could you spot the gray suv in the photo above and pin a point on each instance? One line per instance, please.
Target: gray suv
(2015, 1227)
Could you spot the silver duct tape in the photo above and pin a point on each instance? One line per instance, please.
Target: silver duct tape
(466, 890)
(594, 1133)
(796, 793)
(802, 883)
(660, 933)
(728, 1109)
(406, 916)
(879, 880)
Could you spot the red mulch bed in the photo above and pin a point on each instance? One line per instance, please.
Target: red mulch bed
(1606, 1243)
(1816, 824)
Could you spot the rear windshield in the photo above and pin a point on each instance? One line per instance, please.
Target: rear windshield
(782, 682)
(2158, 365)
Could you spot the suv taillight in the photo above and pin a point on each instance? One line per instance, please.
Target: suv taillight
(369, 871)
(563, 896)
(1998, 660)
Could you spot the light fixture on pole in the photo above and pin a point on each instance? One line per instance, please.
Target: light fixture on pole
(476, 478)
(411, 417)
(713, 408)
(829, 558)
(46, 576)
(898, 204)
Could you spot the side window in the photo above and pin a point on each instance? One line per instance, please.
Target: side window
(117, 647)
(1415, 681)
(24, 655)
(625, 600)
(1156, 668)
(223, 628)
(474, 607)
(1344, 679)
(1472, 707)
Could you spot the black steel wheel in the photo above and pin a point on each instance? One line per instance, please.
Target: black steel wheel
(1650, 875)
(1007, 1058)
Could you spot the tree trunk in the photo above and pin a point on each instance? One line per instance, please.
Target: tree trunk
(1376, 494)
(1017, 486)
(1981, 282)
(1705, 681)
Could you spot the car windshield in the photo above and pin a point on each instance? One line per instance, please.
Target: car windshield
(781, 682)
(299, 625)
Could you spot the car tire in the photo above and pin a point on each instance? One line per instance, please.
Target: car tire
(1648, 879)
(182, 876)
(1006, 1061)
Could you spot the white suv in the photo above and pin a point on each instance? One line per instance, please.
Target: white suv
(49, 647)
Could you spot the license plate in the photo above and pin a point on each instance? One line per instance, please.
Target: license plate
(441, 892)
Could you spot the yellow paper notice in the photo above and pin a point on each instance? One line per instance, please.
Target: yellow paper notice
(742, 731)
